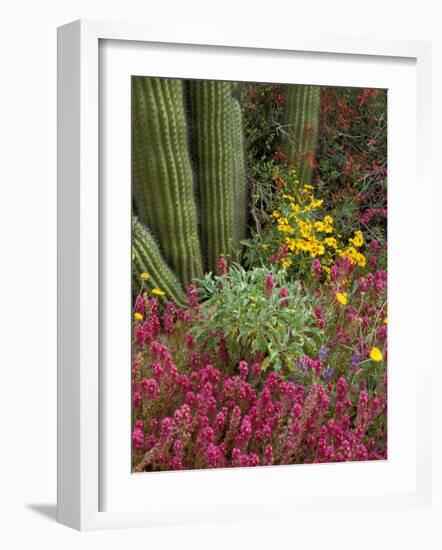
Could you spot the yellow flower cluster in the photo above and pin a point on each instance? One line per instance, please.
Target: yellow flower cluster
(358, 239)
(303, 231)
(282, 223)
(354, 256)
(286, 262)
(325, 225)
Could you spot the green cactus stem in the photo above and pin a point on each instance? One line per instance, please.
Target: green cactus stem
(300, 120)
(162, 173)
(219, 168)
(239, 176)
(147, 258)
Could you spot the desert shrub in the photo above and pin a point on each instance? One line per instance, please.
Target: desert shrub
(351, 171)
(257, 312)
(349, 183)
(300, 231)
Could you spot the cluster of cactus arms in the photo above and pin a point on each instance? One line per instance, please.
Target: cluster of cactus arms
(189, 174)
(300, 120)
(216, 122)
(147, 258)
(162, 173)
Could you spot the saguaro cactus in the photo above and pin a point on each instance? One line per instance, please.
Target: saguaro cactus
(300, 119)
(162, 173)
(239, 175)
(219, 168)
(147, 258)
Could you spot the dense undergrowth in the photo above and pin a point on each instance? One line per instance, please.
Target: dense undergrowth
(280, 354)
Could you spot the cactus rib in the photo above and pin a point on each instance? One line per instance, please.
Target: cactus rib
(219, 167)
(147, 258)
(239, 175)
(301, 116)
(162, 173)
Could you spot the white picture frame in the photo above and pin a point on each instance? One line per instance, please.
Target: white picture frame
(80, 437)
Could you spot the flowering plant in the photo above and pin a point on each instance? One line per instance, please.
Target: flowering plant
(301, 232)
(257, 312)
(195, 415)
(280, 358)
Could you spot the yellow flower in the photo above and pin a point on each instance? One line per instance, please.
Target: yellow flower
(313, 204)
(324, 226)
(341, 297)
(358, 239)
(316, 248)
(385, 320)
(138, 316)
(144, 276)
(331, 241)
(265, 246)
(354, 256)
(295, 209)
(286, 262)
(305, 228)
(376, 354)
(158, 292)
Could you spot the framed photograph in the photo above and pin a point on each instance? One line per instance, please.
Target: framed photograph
(233, 338)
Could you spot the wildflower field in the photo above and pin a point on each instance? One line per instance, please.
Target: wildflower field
(259, 261)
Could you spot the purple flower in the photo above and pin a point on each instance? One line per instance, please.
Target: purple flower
(283, 294)
(317, 267)
(150, 386)
(269, 283)
(139, 305)
(341, 389)
(355, 360)
(323, 353)
(222, 266)
(213, 456)
(138, 435)
(328, 374)
(256, 370)
(243, 369)
(268, 454)
(302, 364)
(381, 333)
(136, 399)
(192, 296)
(168, 323)
(189, 341)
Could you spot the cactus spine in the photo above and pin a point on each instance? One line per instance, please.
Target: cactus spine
(301, 116)
(162, 173)
(147, 258)
(219, 168)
